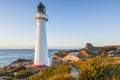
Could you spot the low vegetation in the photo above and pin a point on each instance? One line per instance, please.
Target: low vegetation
(17, 69)
(23, 74)
(60, 71)
(98, 68)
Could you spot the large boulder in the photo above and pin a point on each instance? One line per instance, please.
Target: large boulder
(92, 48)
(89, 46)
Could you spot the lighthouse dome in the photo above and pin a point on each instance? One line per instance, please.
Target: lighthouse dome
(41, 8)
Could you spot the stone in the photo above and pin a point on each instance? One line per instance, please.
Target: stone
(88, 45)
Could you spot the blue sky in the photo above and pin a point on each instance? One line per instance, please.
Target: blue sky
(72, 23)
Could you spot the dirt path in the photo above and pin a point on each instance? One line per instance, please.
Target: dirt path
(74, 72)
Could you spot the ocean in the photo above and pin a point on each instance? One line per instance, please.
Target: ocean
(7, 56)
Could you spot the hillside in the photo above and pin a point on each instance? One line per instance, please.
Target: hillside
(97, 68)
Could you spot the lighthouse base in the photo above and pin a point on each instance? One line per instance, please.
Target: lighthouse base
(39, 66)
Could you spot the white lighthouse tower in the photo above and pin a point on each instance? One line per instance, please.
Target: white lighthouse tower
(41, 51)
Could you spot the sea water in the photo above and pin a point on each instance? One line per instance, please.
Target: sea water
(7, 56)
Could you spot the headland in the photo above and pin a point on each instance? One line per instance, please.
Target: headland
(89, 58)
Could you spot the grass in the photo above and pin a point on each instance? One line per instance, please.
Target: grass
(98, 68)
(59, 71)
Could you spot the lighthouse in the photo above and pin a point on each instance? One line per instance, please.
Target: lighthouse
(41, 51)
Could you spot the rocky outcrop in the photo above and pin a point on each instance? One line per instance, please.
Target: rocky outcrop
(88, 51)
(85, 53)
(21, 62)
(59, 55)
(17, 70)
(91, 47)
(109, 51)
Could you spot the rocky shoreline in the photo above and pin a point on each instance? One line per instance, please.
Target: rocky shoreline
(22, 68)
(17, 69)
(89, 51)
